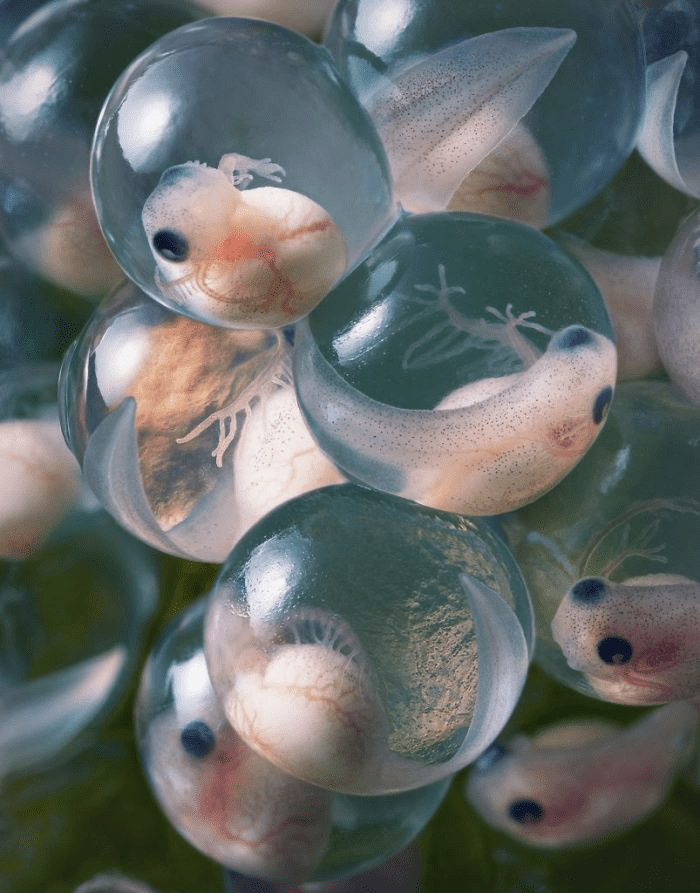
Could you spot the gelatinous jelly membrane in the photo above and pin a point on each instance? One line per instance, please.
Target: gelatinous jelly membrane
(186, 433)
(247, 258)
(72, 616)
(238, 200)
(58, 68)
(364, 644)
(416, 384)
(676, 310)
(582, 780)
(237, 807)
(114, 882)
(636, 641)
(441, 117)
(610, 555)
(670, 133)
(452, 80)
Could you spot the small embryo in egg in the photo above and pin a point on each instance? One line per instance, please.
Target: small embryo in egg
(635, 641)
(237, 256)
(582, 780)
(440, 369)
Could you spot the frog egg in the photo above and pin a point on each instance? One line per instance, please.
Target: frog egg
(237, 807)
(442, 370)
(670, 132)
(359, 696)
(583, 780)
(57, 70)
(72, 617)
(186, 433)
(610, 557)
(213, 198)
(572, 74)
(676, 308)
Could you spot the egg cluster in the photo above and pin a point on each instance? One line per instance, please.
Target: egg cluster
(390, 399)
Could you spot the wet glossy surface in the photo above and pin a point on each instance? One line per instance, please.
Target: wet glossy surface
(167, 112)
(583, 141)
(444, 369)
(609, 555)
(187, 433)
(385, 695)
(237, 807)
(56, 72)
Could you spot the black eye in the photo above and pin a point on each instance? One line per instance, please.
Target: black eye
(614, 650)
(527, 812)
(170, 245)
(197, 739)
(573, 336)
(600, 407)
(589, 589)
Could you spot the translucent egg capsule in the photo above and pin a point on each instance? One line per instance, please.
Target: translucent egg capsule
(440, 118)
(187, 433)
(71, 620)
(239, 207)
(584, 780)
(366, 644)
(467, 78)
(444, 370)
(670, 133)
(676, 309)
(237, 807)
(56, 71)
(610, 555)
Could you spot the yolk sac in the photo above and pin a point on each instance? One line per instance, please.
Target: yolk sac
(307, 704)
